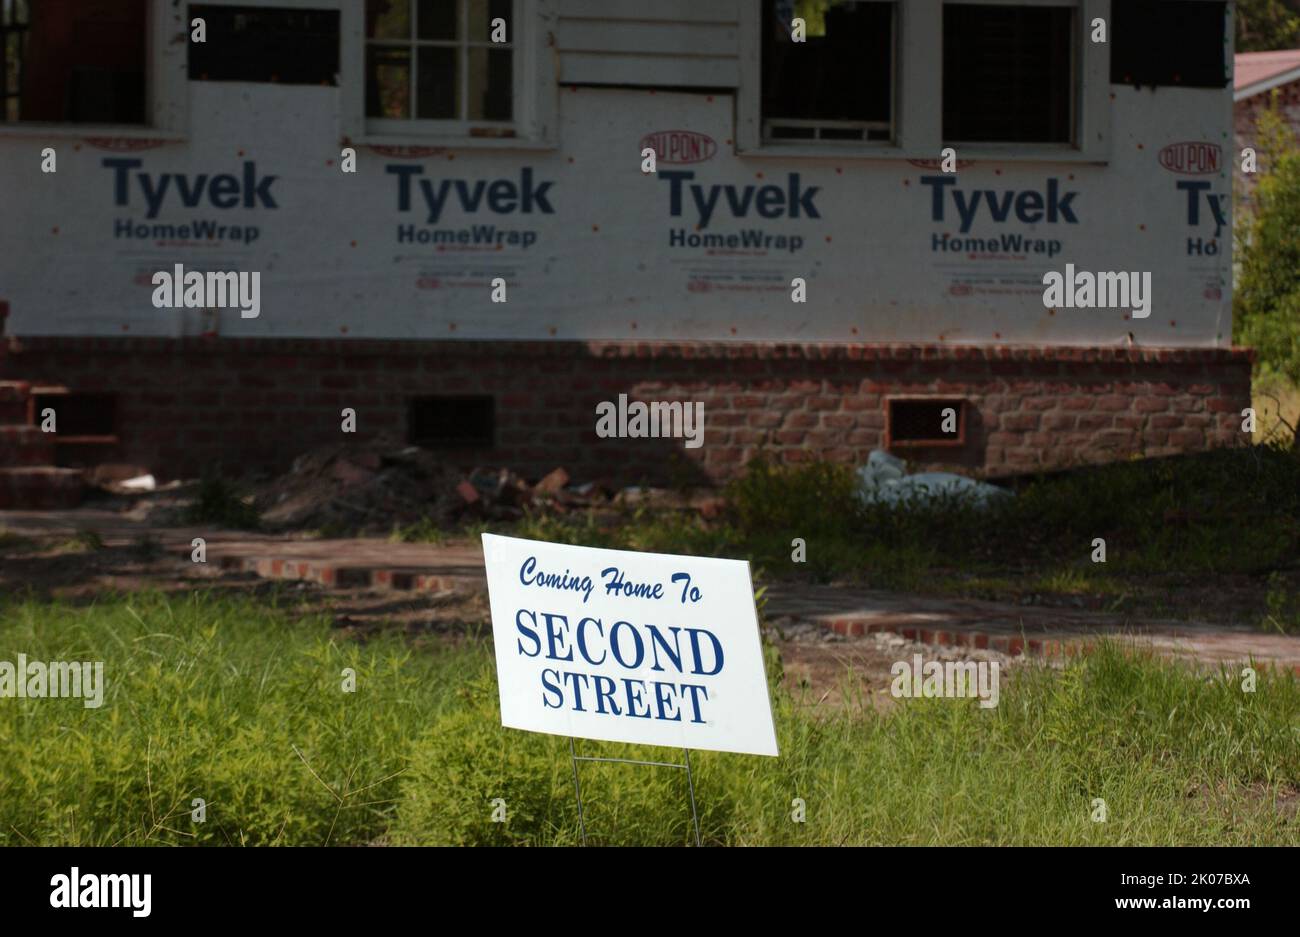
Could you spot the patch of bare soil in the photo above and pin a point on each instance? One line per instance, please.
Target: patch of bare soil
(822, 668)
(1232, 599)
(78, 570)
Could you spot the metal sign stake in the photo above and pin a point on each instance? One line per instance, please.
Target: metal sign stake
(577, 787)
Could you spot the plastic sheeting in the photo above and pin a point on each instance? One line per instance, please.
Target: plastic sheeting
(884, 479)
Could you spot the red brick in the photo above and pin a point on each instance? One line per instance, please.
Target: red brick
(824, 403)
(1151, 404)
(1094, 421)
(729, 455)
(1188, 438)
(1038, 404)
(551, 388)
(862, 402)
(1019, 422)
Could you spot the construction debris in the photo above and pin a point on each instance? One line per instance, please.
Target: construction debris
(341, 489)
(554, 482)
(884, 479)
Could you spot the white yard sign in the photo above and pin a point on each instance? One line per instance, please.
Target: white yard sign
(628, 647)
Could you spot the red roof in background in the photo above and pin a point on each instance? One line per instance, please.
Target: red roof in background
(1258, 68)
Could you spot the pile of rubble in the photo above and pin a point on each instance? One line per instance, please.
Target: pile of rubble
(376, 489)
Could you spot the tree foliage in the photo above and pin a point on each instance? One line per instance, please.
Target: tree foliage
(1266, 25)
(1267, 299)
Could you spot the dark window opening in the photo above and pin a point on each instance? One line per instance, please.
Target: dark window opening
(73, 61)
(435, 60)
(1162, 43)
(836, 85)
(451, 422)
(279, 44)
(79, 415)
(924, 422)
(1008, 74)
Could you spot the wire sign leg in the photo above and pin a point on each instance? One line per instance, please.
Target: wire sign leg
(577, 790)
(690, 784)
(574, 758)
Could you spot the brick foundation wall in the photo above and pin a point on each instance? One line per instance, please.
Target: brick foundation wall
(185, 405)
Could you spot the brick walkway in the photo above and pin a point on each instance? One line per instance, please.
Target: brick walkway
(405, 567)
(1015, 629)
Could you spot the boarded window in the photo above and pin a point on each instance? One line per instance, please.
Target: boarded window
(838, 84)
(80, 416)
(73, 61)
(287, 46)
(929, 422)
(1161, 43)
(451, 422)
(1008, 74)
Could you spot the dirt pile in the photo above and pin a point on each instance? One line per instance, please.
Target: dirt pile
(370, 490)
(345, 488)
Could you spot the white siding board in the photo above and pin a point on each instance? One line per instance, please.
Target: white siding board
(625, 37)
(668, 43)
(663, 71)
(679, 11)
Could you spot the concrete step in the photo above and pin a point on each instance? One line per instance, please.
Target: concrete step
(40, 488)
(14, 397)
(25, 445)
(352, 564)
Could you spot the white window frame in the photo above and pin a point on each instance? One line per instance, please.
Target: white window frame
(535, 92)
(166, 87)
(918, 93)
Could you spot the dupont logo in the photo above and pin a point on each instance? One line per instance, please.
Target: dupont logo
(677, 147)
(1192, 158)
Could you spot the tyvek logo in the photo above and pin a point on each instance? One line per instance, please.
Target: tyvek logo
(768, 201)
(1030, 206)
(224, 191)
(500, 196)
(1218, 204)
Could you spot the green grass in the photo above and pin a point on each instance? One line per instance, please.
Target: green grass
(82, 541)
(240, 704)
(1283, 606)
(1222, 512)
(11, 542)
(1277, 405)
